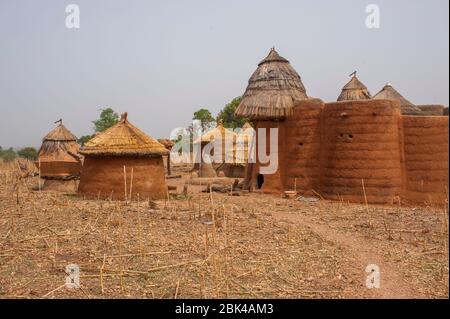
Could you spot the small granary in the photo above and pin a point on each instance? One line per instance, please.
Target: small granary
(357, 149)
(168, 144)
(354, 90)
(206, 144)
(238, 156)
(123, 163)
(388, 92)
(58, 160)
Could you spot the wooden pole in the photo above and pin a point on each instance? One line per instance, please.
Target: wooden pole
(169, 172)
(125, 182)
(131, 183)
(39, 182)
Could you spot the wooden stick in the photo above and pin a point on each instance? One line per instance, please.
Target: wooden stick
(367, 204)
(131, 183)
(39, 181)
(125, 182)
(101, 274)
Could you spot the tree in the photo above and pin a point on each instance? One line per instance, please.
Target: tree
(107, 119)
(205, 117)
(227, 114)
(29, 153)
(82, 140)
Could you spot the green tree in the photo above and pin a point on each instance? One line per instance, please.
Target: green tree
(205, 117)
(107, 119)
(28, 153)
(227, 114)
(82, 140)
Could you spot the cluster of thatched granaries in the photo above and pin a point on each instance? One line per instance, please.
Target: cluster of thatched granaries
(378, 149)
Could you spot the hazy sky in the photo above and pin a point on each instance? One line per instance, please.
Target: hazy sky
(162, 60)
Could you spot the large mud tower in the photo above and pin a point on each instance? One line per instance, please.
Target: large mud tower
(361, 152)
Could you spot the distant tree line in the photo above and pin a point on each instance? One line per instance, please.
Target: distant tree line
(9, 154)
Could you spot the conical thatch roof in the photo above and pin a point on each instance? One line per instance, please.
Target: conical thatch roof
(218, 132)
(60, 133)
(59, 145)
(123, 139)
(389, 93)
(354, 90)
(273, 90)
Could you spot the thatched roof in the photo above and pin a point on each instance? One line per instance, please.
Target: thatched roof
(272, 91)
(354, 90)
(168, 144)
(59, 145)
(239, 153)
(60, 133)
(123, 139)
(218, 132)
(389, 93)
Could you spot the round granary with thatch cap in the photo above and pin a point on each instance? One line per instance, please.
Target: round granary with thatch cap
(354, 90)
(272, 91)
(58, 155)
(123, 163)
(389, 93)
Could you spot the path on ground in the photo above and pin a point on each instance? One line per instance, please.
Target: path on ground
(361, 253)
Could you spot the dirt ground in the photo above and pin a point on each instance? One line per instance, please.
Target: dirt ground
(216, 246)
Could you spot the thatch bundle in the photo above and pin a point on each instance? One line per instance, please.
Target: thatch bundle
(123, 139)
(272, 91)
(354, 90)
(389, 93)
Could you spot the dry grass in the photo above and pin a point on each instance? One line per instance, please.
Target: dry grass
(203, 246)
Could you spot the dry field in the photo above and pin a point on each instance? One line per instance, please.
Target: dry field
(215, 246)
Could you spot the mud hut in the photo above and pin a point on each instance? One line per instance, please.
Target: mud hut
(273, 91)
(207, 144)
(58, 160)
(354, 90)
(123, 163)
(388, 92)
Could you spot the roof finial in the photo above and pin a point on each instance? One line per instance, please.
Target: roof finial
(124, 117)
(59, 121)
(353, 74)
(220, 122)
